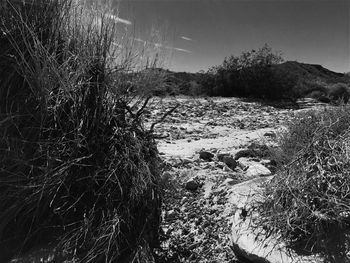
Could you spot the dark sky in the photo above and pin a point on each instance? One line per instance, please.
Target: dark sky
(203, 32)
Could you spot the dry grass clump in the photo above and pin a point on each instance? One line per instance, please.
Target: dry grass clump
(308, 201)
(76, 165)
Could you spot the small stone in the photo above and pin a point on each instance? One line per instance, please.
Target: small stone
(226, 169)
(244, 163)
(270, 134)
(171, 214)
(243, 153)
(229, 182)
(192, 185)
(186, 161)
(221, 156)
(207, 156)
(230, 162)
(258, 169)
(220, 166)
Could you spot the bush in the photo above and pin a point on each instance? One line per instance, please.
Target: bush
(314, 89)
(253, 75)
(76, 165)
(339, 93)
(307, 202)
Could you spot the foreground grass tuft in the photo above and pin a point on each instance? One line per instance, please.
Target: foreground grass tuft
(77, 168)
(307, 203)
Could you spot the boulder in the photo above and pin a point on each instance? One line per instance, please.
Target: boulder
(249, 241)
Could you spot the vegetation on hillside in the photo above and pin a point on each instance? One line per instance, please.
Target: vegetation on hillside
(77, 167)
(307, 202)
(250, 75)
(261, 74)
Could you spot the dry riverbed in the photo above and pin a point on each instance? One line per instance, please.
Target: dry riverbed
(208, 146)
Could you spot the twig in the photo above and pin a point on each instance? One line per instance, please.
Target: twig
(164, 116)
(140, 111)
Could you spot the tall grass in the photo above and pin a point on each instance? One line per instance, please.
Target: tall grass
(307, 203)
(77, 167)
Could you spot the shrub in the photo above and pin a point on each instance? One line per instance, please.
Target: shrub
(307, 202)
(309, 88)
(339, 93)
(76, 165)
(252, 74)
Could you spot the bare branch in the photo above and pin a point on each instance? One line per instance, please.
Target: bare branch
(164, 116)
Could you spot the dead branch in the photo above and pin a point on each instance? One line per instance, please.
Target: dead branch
(164, 116)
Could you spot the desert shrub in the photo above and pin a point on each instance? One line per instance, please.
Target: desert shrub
(316, 94)
(306, 203)
(252, 75)
(336, 93)
(309, 88)
(339, 93)
(76, 165)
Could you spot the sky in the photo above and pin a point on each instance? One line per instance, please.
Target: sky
(200, 33)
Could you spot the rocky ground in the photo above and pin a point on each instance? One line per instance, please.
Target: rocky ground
(208, 146)
(213, 151)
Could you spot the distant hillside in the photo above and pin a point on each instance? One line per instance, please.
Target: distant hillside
(302, 71)
(313, 72)
(308, 78)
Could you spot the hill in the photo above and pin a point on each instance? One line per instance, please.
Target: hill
(312, 72)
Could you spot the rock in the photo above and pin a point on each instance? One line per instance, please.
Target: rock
(186, 161)
(192, 184)
(229, 182)
(221, 156)
(230, 162)
(207, 156)
(257, 169)
(244, 163)
(171, 214)
(248, 240)
(237, 194)
(208, 189)
(226, 169)
(243, 153)
(254, 150)
(220, 166)
(270, 134)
